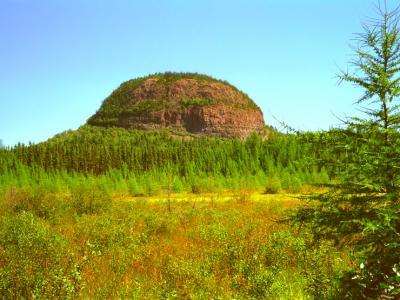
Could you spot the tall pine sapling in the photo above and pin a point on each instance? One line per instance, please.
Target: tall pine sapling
(362, 211)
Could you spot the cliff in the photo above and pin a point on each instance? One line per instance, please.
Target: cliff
(183, 102)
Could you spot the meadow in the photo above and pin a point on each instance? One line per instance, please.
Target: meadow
(88, 243)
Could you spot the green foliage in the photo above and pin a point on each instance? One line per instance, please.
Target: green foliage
(135, 249)
(35, 262)
(150, 185)
(112, 156)
(362, 210)
(291, 182)
(134, 187)
(39, 201)
(88, 199)
(146, 105)
(177, 185)
(196, 102)
(273, 185)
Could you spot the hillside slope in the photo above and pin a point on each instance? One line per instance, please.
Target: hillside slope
(184, 102)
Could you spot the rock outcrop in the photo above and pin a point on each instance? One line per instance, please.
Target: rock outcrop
(184, 102)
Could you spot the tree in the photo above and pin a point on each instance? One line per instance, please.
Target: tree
(377, 71)
(169, 186)
(362, 210)
(376, 67)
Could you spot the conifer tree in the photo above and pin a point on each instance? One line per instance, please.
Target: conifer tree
(363, 209)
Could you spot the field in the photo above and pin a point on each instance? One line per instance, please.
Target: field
(90, 244)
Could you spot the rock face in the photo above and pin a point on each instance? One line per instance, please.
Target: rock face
(182, 102)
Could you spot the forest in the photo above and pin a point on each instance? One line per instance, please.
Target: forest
(113, 213)
(84, 198)
(140, 162)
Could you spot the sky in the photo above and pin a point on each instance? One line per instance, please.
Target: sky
(59, 59)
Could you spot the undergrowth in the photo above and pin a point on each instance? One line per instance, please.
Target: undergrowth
(78, 245)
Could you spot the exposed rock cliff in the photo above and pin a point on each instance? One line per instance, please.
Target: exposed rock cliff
(184, 102)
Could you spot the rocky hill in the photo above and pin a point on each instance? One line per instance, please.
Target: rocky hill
(183, 102)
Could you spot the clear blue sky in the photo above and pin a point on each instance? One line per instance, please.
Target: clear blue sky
(60, 59)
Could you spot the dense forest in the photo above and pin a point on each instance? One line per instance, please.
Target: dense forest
(142, 161)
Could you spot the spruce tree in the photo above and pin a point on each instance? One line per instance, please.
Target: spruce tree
(362, 210)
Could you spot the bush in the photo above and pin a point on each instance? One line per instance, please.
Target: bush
(38, 201)
(34, 262)
(273, 186)
(150, 186)
(88, 199)
(134, 187)
(295, 185)
(177, 186)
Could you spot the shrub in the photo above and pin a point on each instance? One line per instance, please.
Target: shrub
(150, 186)
(38, 201)
(134, 187)
(273, 185)
(34, 262)
(88, 199)
(177, 186)
(295, 185)
(196, 188)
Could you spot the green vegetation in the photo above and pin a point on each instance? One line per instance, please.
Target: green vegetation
(196, 102)
(113, 213)
(63, 205)
(205, 248)
(77, 200)
(363, 209)
(137, 162)
(146, 105)
(167, 78)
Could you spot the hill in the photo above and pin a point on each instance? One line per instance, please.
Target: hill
(184, 102)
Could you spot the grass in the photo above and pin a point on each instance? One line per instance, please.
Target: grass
(211, 246)
(225, 196)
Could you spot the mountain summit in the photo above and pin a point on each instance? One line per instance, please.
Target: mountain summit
(183, 102)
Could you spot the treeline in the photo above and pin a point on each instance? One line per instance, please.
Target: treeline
(94, 150)
(151, 158)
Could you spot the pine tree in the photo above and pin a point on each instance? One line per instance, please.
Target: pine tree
(363, 209)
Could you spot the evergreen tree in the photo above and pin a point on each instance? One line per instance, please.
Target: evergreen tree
(363, 209)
